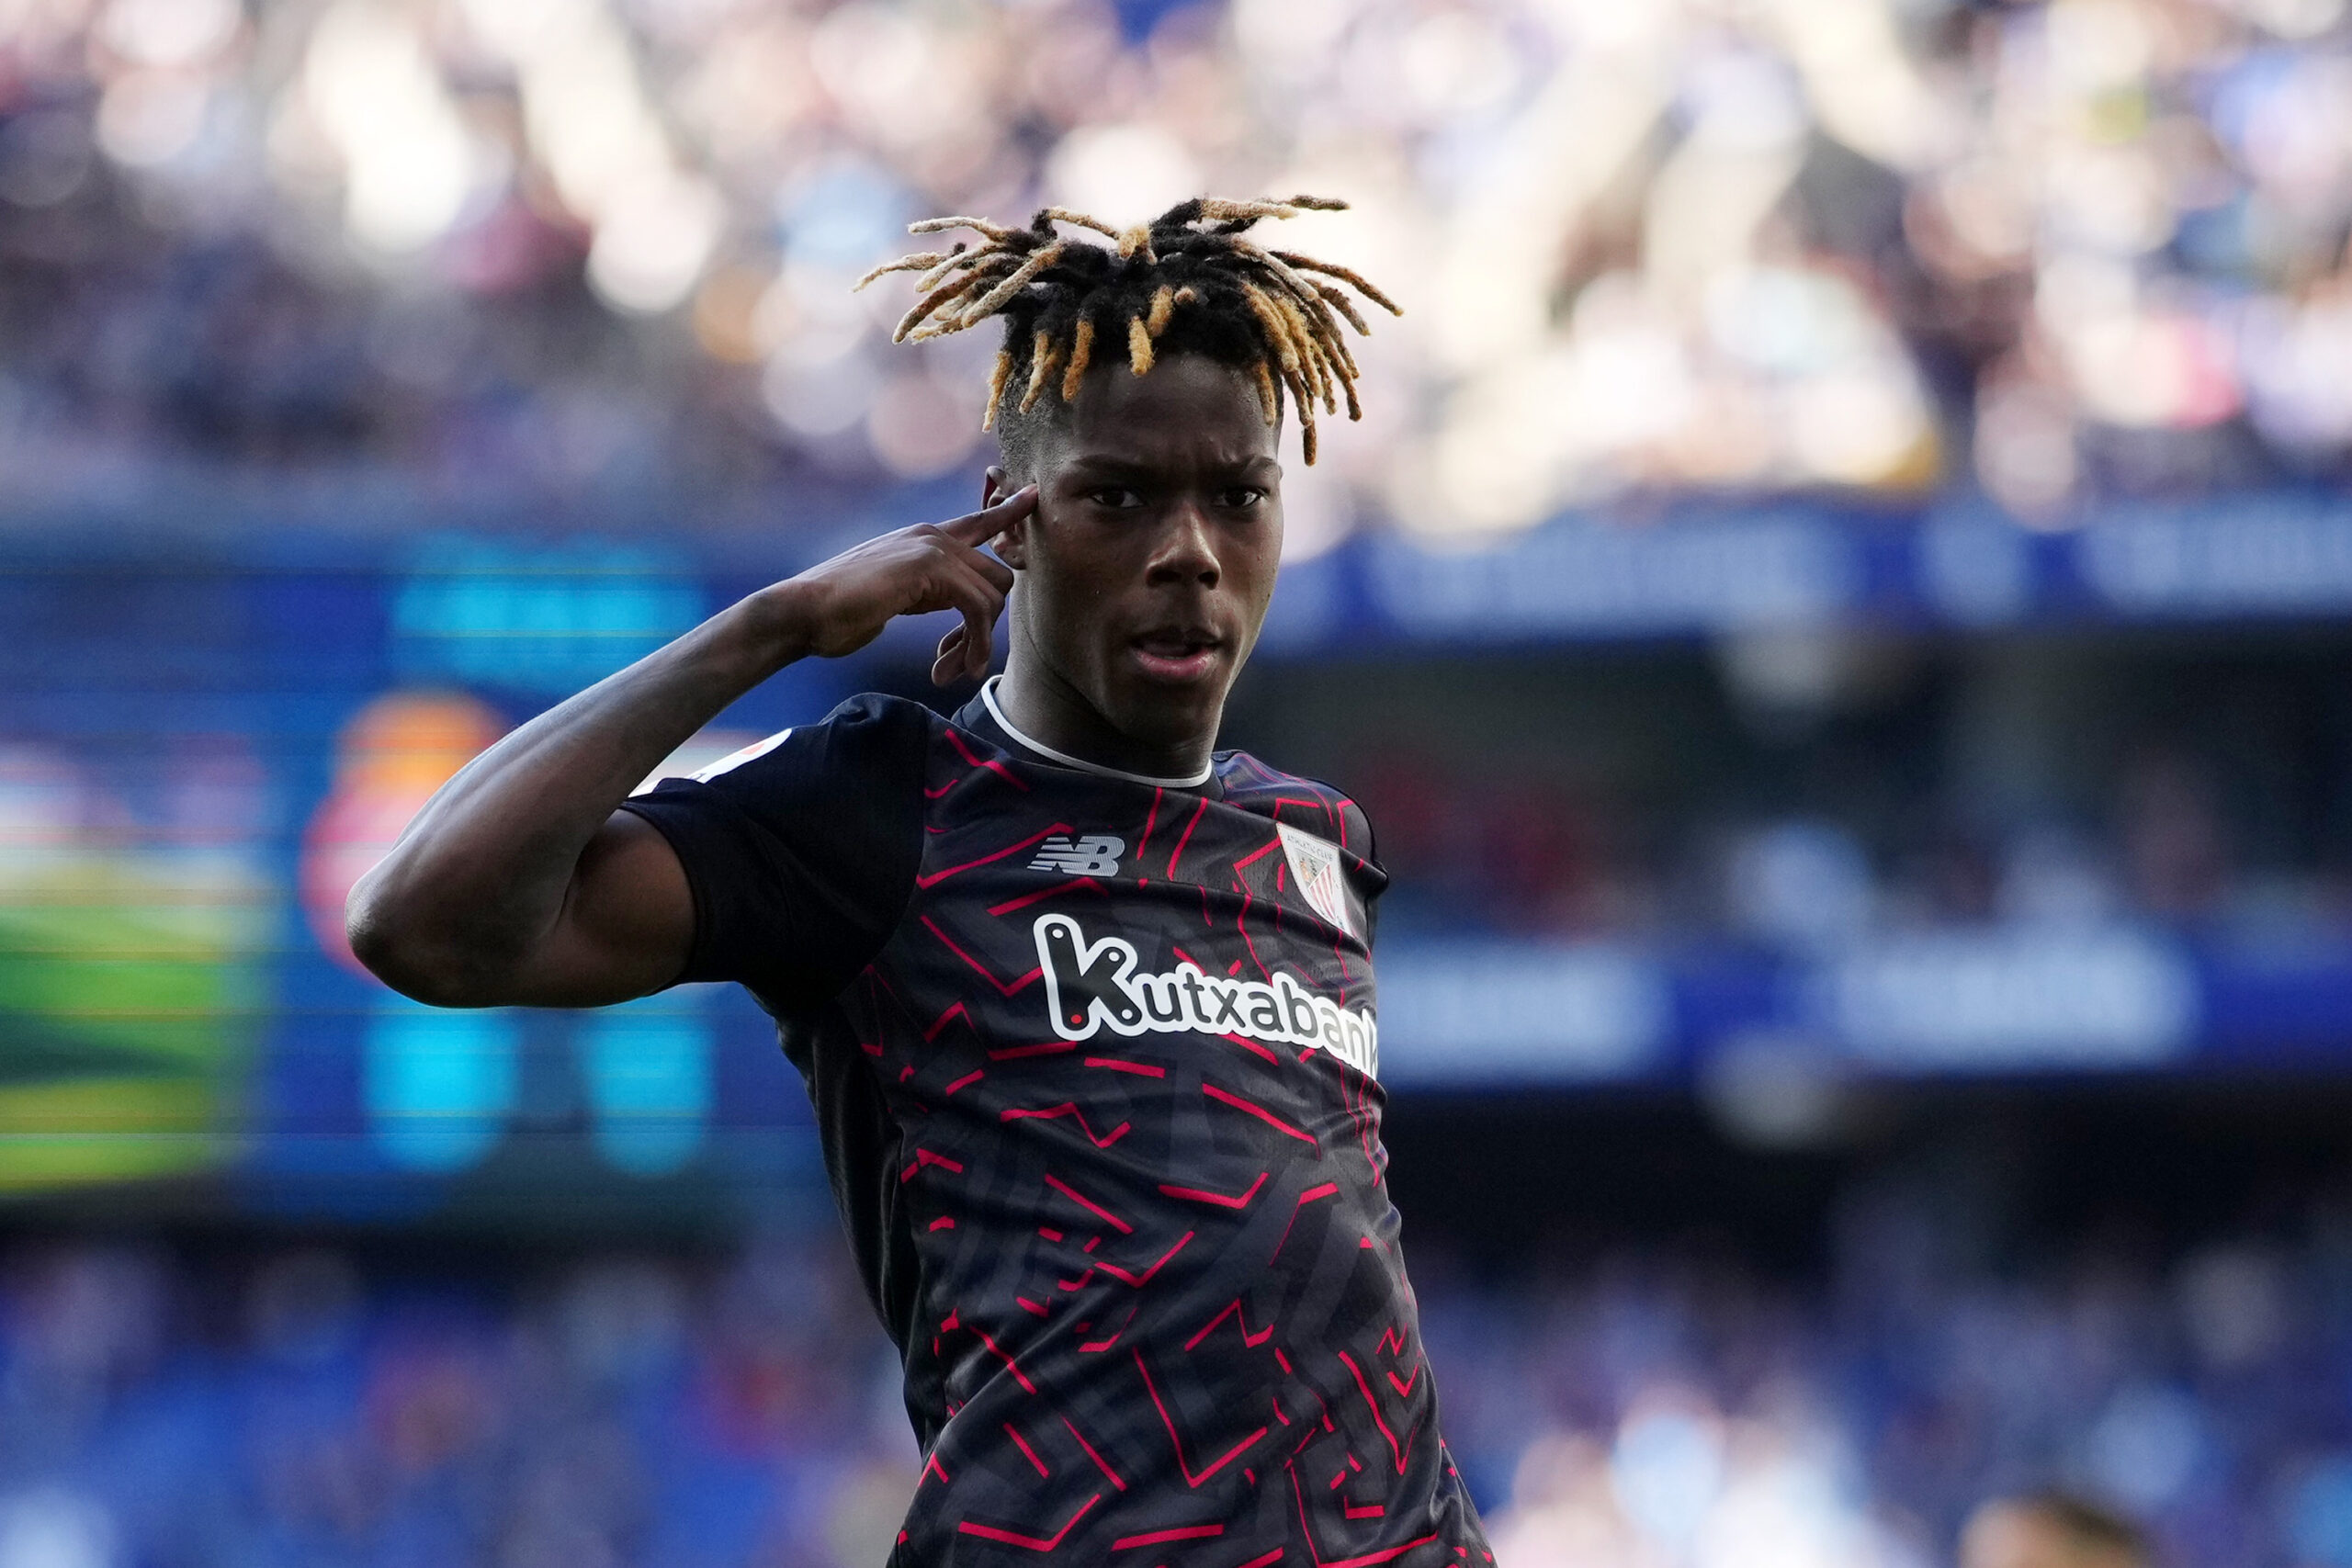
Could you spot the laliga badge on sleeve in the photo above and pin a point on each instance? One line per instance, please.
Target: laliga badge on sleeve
(1314, 862)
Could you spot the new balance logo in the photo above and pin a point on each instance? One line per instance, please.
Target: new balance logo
(1097, 855)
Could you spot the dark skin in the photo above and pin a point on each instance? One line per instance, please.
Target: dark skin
(1145, 543)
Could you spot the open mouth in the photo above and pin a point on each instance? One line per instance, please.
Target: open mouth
(1179, 654)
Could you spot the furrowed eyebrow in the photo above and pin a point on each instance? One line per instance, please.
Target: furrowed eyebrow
(1112, 469)
(1253, 469)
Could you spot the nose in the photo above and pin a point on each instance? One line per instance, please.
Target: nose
(1185, 550)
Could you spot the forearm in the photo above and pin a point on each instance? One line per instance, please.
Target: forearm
(479, 878)
(516, 884)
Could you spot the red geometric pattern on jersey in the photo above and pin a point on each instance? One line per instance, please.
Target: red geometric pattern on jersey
(1161, 1317)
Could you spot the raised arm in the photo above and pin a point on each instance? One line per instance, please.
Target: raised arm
(521, 883)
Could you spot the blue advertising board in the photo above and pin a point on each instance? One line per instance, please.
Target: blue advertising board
(203, 741)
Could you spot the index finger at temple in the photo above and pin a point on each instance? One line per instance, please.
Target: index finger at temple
(980, 527)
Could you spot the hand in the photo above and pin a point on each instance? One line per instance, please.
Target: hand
(931, 566)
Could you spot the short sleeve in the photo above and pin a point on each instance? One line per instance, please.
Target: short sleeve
(801, 851)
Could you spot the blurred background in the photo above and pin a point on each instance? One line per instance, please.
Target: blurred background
(1840, 611)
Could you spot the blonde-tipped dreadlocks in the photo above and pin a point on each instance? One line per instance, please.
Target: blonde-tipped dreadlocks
(1190, 272)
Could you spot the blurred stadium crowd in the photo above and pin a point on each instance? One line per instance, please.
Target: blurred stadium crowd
(253, 1405)
(2061, 252)
(1878, 786)
(1526, 852)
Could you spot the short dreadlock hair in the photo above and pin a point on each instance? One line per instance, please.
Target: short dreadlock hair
(1188, 282)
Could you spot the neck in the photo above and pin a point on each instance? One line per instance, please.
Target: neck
(1049, 710)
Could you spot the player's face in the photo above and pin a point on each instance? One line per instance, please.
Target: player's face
(1148, 563)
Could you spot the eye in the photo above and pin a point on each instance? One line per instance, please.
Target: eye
(1241, 498)
(1115, 498)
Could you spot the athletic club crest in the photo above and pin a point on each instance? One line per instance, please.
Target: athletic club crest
(1315, 865)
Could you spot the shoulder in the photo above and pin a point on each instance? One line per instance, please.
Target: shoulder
(869, 735)
(858, 772)
(1301, 802)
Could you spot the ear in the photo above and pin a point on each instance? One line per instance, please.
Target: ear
(1011, 546)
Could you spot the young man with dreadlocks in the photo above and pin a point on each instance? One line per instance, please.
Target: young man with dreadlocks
(1085, 1008)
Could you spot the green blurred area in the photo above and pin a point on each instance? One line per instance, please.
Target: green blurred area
(128, 1005)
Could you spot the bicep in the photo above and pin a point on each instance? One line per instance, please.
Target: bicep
(627, 923)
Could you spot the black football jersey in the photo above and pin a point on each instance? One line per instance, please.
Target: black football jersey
(1096, 1059)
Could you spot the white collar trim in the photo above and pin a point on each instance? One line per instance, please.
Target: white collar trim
(987, 695)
